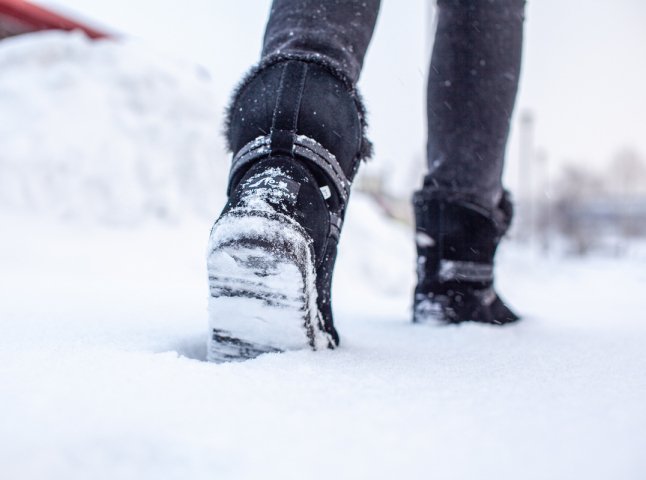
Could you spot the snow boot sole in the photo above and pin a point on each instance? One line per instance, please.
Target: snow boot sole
(262, 287)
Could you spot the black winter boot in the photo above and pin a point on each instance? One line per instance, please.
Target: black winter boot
(456, 244)
(296, 129)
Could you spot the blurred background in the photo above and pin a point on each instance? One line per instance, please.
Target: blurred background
(119, 131)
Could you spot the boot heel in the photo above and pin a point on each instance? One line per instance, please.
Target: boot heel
(262, 287)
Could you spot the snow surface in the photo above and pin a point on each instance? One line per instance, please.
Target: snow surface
(104, 321)
(102, 372)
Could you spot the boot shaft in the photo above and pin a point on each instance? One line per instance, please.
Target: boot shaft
(291, 108)
(457, 239)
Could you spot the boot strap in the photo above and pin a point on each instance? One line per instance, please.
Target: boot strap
(501, 216)
(304, 148)
(451, 270)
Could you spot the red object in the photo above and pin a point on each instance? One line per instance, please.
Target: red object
(19, 16)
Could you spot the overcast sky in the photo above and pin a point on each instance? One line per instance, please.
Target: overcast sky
(584, 68)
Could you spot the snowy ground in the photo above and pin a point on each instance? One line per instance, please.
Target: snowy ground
(103, 317)
(102, 372)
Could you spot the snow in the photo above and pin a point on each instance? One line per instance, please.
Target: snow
(133, 133)
(104, 322)
(104, 334)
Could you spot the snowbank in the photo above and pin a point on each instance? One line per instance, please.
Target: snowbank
(106, 131)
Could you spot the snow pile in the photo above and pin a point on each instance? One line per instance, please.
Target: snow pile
(106, 131)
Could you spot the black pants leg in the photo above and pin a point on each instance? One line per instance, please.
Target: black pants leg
(336, 31)
(472, 84)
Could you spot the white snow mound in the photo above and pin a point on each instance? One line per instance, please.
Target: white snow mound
(105, 130)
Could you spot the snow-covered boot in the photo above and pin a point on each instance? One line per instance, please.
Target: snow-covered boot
(297, 132)
(456, 244)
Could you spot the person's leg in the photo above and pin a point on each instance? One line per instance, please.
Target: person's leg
(336, 31)
(296, 130)
(472, 84)
(462, 210)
